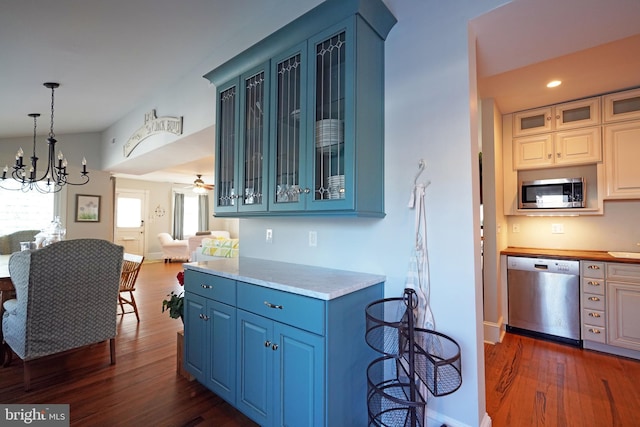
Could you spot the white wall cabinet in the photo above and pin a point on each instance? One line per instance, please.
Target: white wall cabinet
(570, 115)
(622, 152)
(571, 147)
(621, 106)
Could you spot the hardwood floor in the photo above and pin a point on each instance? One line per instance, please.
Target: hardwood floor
(142, 388)
(531, 382)
(528, 382)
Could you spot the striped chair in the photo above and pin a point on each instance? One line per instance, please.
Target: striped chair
(66, 297)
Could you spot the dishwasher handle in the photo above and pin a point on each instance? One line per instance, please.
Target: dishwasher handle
(541, 266)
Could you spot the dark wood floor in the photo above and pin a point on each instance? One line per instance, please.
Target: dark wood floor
(528, 382)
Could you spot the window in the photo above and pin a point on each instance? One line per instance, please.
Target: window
(190, 224)
(24, 210)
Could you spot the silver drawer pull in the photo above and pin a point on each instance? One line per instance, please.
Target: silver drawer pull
(203, 317)
(594, 267)
(594, 283)
(206, 286)
(268, 304)
(594, 331)
(594, 299)
(594, 314)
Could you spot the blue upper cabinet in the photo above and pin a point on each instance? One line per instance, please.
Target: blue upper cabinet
(300, 120)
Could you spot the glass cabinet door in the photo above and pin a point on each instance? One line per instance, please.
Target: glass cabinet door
(253, 150)
(329, 121)
(226, 149)
(289, 188)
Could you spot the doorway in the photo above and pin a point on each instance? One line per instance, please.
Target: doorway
(131, 210)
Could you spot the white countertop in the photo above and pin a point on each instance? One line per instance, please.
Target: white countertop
(315, 282)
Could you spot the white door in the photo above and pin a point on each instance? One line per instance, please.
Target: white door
(131, 209)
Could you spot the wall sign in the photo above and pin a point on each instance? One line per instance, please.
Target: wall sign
(153, 125)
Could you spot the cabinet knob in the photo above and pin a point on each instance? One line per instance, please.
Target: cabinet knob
(594, 331)
(203, 317)
(267, 343)
(268, 304)
(594, 314)
(594, 299)
(592, 283)
(594, 267)
(549, 156)
(307, 190)
(206, 286)
(558, 155)
(274, 347)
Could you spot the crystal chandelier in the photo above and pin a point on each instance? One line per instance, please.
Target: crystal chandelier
(55, 176)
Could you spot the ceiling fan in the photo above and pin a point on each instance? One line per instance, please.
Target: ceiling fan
(199, 186)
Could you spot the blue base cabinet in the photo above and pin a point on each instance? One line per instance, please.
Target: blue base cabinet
(293, 360)
(210, 351)
(300, 117)
(280, 381)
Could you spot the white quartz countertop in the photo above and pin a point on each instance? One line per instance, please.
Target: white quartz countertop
(315, 282)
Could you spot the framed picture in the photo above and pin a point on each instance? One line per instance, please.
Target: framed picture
(87, 208)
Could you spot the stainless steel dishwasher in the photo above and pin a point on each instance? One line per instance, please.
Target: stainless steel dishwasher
(544, 298)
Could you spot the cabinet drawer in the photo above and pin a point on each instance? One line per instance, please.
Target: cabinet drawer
(592, 269)
(592, 286)
(594, 333)
(620, 272)
(210, 286)
(296, 310)
(593, 317)
(593, 301)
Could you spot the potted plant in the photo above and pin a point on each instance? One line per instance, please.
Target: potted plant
(175, 303)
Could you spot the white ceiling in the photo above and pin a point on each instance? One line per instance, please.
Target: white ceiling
(110, 56)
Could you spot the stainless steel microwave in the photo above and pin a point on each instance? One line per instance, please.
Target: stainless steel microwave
(552, 193)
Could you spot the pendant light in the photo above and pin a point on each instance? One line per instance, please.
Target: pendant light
(54, 177)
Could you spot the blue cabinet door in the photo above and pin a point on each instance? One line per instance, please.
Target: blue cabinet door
(254, 140)
(299, 373)
(195, 333)
(255, 374)
(227, 173)
(221, 328)
(288, 186)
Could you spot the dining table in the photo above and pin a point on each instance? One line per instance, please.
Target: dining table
(6, 292)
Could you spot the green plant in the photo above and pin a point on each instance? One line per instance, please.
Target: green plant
(175, 303)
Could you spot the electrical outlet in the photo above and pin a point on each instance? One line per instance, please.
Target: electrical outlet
(557, 228)
(516, 228)
(269, 236)
(313, 238)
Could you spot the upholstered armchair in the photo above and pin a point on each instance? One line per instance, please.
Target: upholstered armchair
(173, 249)
(66, 297)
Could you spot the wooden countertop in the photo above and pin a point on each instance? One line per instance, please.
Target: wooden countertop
(572, 254)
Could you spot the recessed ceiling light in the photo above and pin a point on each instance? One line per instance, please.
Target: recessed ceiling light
(554, 83)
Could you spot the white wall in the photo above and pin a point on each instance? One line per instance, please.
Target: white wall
(427, 116)
(74, 147)
(431, 113)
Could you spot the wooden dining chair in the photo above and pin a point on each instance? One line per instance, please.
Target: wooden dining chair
(130, 269)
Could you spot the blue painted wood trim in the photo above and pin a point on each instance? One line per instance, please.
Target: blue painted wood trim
(374, 12)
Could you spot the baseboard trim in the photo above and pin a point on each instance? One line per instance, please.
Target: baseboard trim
(494, 332)
(435, 419)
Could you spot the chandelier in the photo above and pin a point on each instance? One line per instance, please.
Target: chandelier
(55, 176)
